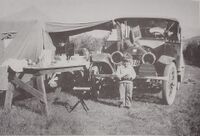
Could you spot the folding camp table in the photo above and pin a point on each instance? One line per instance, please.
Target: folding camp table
(38, 73)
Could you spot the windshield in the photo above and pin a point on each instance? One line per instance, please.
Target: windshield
(153, 28)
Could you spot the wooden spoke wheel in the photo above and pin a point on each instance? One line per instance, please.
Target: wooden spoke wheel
(170, 85)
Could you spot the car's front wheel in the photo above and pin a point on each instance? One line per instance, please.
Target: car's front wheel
(169, 85)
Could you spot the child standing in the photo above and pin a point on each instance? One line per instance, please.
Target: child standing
(126, 74)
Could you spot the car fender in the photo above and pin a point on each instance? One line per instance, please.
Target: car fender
(103, 58)
(166, 59)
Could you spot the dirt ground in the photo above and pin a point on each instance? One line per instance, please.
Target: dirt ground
(147, 116)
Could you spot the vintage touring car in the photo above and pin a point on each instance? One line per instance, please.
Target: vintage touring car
(156, 50)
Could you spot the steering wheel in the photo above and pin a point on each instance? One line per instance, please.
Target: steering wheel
(157, 34)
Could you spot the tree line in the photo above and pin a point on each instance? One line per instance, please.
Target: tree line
(192, 52)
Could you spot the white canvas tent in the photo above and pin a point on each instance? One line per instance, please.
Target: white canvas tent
(32, 30)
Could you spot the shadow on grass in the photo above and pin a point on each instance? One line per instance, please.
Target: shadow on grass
(24, 100)
(64, 104)
(108, 95)
(38, 109)
(109, 102)
(147, 98)
(150, 95)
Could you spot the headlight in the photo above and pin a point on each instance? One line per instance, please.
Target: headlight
(148, 57)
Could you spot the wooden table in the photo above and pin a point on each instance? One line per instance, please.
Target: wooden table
(38, 73)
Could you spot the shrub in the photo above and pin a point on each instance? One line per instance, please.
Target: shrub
(192, 52)
(89, 42)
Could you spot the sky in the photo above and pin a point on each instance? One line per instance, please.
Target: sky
(186, 11)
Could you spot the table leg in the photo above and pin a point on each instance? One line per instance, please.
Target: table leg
(41, 87)
(9, 97)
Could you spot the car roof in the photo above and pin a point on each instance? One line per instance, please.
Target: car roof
(131, 18)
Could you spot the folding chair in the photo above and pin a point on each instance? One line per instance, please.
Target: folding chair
(82, 93)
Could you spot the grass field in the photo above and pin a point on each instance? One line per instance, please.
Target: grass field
(147, 115)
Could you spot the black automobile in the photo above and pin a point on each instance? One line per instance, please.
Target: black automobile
(156, 50)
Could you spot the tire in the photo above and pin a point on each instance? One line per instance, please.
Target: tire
(170, 85)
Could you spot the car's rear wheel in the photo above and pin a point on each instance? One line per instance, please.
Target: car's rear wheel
(169, 85)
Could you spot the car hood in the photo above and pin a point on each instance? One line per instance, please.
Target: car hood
(151, 43)
(103, 57)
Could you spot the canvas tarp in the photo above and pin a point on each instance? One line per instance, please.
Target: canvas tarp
(77, 28)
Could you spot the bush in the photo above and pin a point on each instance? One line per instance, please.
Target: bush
(192, 52)
(89, 42)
